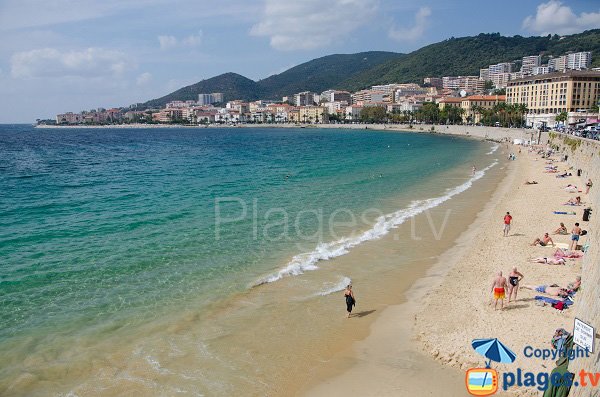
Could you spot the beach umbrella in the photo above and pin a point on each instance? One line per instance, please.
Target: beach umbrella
(493, 349)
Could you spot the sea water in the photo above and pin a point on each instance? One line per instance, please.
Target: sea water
(122, 248)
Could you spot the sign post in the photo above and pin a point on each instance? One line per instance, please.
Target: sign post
(583, 335)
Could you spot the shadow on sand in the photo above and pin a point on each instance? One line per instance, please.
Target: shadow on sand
(363, 313)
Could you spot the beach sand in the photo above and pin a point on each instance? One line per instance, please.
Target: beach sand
(456, 309)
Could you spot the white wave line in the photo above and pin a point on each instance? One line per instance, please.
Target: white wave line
(325, 251)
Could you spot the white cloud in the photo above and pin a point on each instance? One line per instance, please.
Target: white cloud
(143, 78)
(50, 62)
(417, 31)
(309, 24)
(169, 42)
(554, 17)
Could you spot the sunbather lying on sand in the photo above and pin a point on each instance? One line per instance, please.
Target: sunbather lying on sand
(530, 183)
(571, 188)
(565, 253)
(544, 241)
(552, 291)
(566, 174)
(551, 260)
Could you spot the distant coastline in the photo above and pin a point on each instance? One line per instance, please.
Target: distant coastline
(496, 134)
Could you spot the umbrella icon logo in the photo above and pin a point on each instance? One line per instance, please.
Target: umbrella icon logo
(484, 381)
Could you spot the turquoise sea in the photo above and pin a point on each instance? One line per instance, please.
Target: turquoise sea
(105, 230)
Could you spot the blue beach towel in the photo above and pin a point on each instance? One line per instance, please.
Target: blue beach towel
(551, 301)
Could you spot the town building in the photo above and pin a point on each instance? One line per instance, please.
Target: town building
(472, 103)
(530, 62)
(306, 98)
(353, 112)
(449, 101)
(547, 95)
(484, 74)
(433, 82)
(335, 96)
(572, 61)
(209, 99)
(540, 70)
(313, 114)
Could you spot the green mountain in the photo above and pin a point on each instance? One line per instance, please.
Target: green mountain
(317, 75)
(323, 73)
(466, 55)
(451, 57)
(233, 85)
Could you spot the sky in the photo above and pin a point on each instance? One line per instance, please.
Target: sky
(72, 55)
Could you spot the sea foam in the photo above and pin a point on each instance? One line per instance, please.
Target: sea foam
(308, 261)
(493, 149)
(332, 288)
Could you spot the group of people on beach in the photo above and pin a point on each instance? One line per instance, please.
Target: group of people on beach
(502, 286)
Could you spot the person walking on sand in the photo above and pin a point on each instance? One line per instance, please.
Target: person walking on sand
(499, 290)
(513, 283)
(350, 301)
(507, 221)
(575, 233)
(588, 185)
(473, 170)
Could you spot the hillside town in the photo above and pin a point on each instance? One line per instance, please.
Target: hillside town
(562, 94)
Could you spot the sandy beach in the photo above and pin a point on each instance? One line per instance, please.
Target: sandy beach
(451, 306)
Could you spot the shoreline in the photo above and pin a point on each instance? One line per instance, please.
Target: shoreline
(456, 289)
(394, 334)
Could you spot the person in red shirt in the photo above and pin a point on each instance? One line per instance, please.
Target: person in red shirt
(507, 221)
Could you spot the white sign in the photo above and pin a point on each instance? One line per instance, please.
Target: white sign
(583, 335)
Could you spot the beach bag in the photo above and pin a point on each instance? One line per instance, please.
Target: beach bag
(558, 306)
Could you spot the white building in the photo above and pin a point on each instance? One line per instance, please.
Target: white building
(353, 112)
(503, 67)
(540, 70)
(208, 99)
(579, 60)
(306, 98)
(484, 74)
(529, 63)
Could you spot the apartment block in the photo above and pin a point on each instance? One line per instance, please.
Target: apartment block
(208, 99)
(547, 95)
(433, 82)
(530, 62)
(306, 98)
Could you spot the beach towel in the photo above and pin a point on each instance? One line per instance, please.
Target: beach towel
(552, 301)
(565, 212)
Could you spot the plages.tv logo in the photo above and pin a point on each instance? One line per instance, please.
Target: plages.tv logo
(484, 381)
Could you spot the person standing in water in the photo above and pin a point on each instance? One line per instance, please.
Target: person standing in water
(473, 170)
(350, 301)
